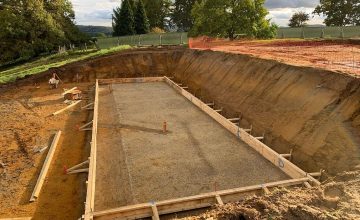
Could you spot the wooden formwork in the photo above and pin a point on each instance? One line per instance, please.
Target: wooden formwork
(299, 177)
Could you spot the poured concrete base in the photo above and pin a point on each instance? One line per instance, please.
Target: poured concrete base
(137, 162)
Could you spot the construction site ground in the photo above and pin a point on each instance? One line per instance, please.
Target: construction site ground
(27, 125)
(336, 55)
(137, 162)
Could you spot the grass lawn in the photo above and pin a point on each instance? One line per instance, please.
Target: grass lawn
(44, 63)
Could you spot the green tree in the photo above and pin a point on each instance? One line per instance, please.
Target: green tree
(141, 20)
(158, 13)
(123, 20)
(299, 19)
(30, 28)
(181, 15)
(339, 12)
(226, 18)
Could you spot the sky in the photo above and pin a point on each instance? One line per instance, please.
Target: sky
(98, 12)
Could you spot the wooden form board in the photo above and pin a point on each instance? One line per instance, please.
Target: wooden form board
(285, 165)
(189, 203)
(45, 167)
(90, 193)
(66, 108)
(193, 202)
(131, 80)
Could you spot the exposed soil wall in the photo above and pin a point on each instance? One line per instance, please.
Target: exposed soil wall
(130, 63)
(314, 112)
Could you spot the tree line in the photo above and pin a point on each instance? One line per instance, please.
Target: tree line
(34, 27)
(337, 13)
(223, 18)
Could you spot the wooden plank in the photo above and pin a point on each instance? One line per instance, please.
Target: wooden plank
(266, 190)
(155, 212)
(131, 80)
(219, 200)
(45, 167)
(188, 203)
(87, 106)
(77, 166)
(233, 119)
(69, 91)
(286, 166)
(307, 185)
(20, 218)
(87, 124)
(85, 170)
(90, 192)
(68, 107)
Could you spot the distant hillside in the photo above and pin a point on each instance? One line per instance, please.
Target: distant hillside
(95, 31)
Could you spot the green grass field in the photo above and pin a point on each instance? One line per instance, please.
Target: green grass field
(44, 63)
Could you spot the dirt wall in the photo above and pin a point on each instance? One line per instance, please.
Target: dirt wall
(314, 112)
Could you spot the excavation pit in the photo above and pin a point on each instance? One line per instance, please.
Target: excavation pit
(137, 162)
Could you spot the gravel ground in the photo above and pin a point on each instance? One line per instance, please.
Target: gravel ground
(139, 163)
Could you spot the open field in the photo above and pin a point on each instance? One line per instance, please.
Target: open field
(340, 55)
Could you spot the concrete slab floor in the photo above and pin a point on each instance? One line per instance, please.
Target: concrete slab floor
(137, 162)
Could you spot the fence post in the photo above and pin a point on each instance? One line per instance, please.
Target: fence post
(139, 41)
(160, 36)
(181, 39)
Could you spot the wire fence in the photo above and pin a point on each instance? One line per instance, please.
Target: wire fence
(144, 40)
(319, 32)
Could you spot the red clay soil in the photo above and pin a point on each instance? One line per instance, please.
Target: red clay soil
(340, 56)
(26, 126)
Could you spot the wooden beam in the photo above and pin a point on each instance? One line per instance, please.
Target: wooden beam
(189, 203)
(20, 218)
(219, 110)
(87, 106)
(219, 200)
(85, 125)
(266, 190)
(155, 212)
(286, 166)
(90, 192)
(69, 90)
(307, 185)
(248, 130)
(130, 80)
(317, 174)
(45, 167)
(184, 87)
(210, 104)
(86, 170)
(78, 166)
(68, 107)
(288, 156)
(234, 119)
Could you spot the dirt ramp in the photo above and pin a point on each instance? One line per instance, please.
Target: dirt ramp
(314, 112)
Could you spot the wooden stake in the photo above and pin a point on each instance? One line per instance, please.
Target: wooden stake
(219, 200)
(155, 211)
(45, 168)
(86, 170)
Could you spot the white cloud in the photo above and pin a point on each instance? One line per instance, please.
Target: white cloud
(98, 12)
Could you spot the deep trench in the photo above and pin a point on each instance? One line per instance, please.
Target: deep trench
(312, 111)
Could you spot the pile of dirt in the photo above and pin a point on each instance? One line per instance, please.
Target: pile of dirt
(337, 198)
